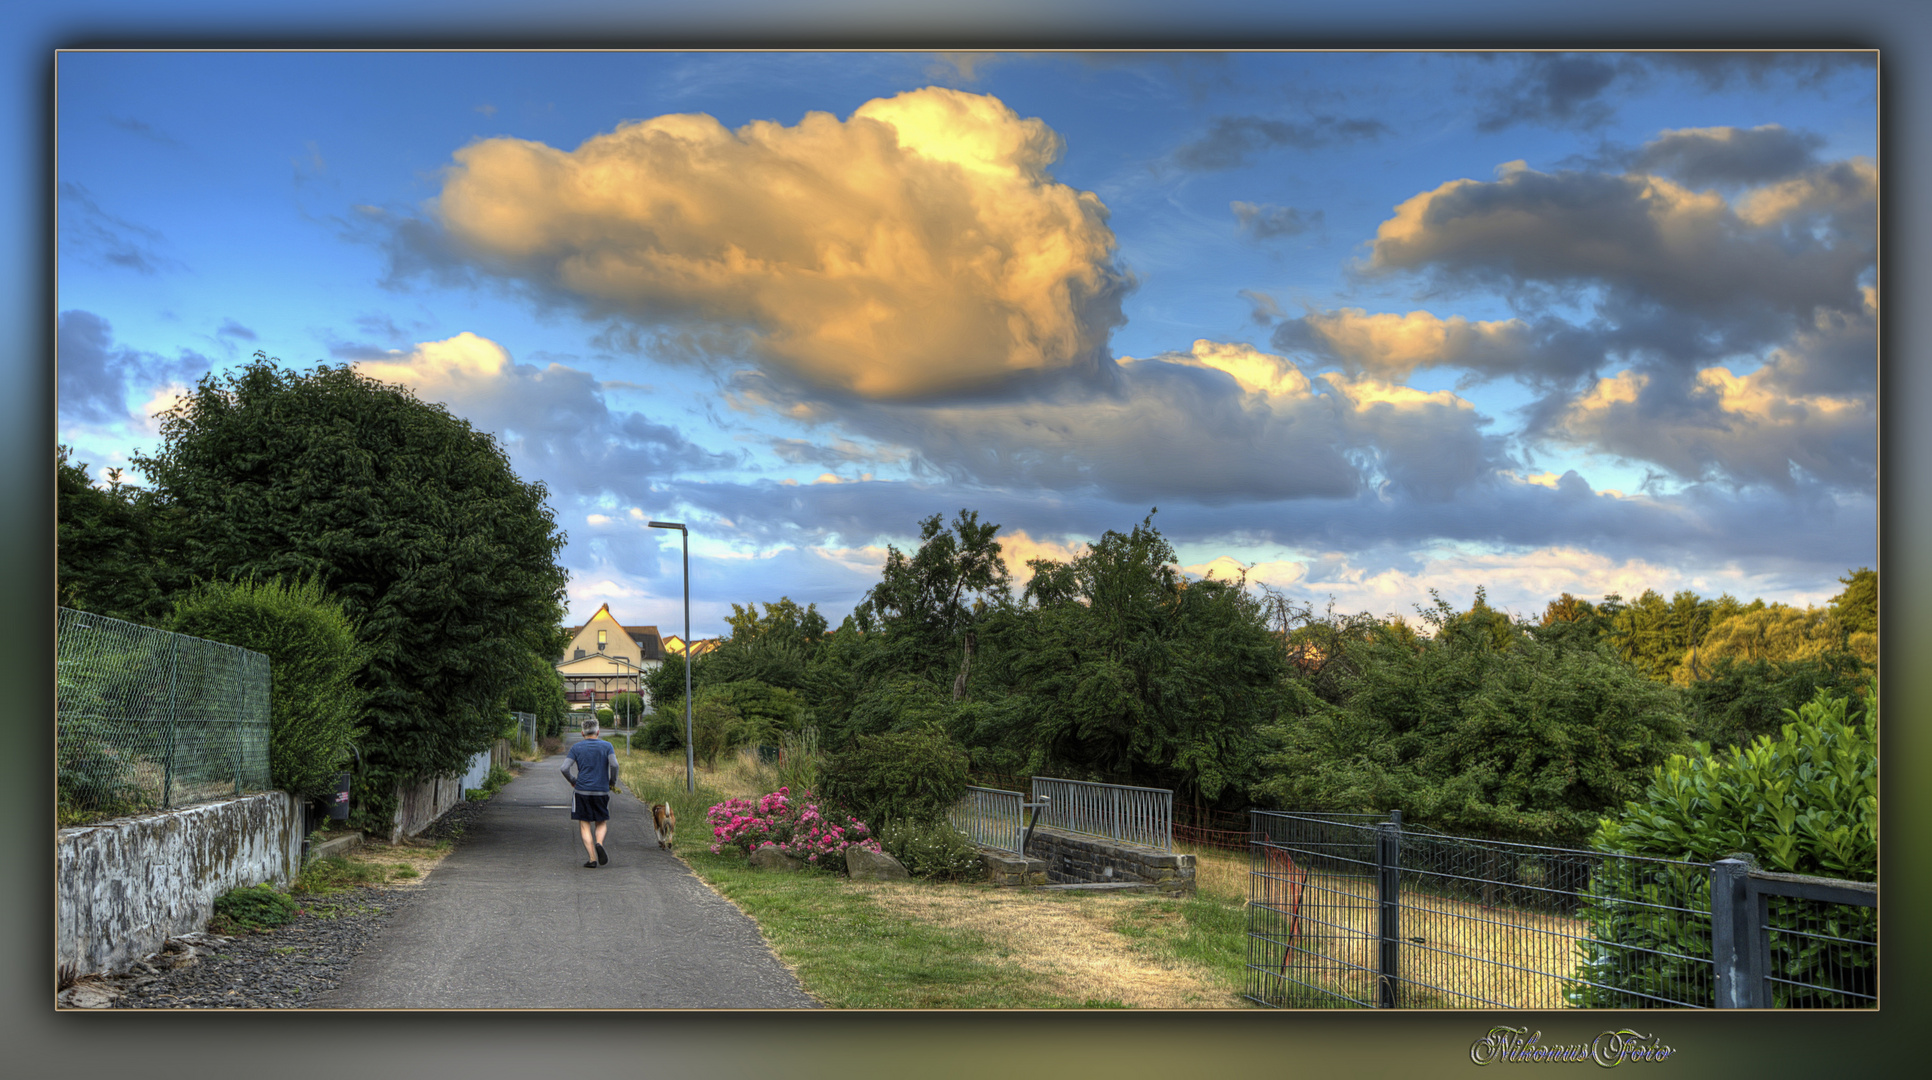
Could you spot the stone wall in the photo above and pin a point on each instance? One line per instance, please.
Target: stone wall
(1073, 857)
(124, 887)
(1005, 869)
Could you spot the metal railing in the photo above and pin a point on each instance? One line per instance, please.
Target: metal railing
(990, 816)
(145, 719)
(1133, 815)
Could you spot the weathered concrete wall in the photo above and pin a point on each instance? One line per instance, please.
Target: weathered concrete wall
(479, 770)
(126, 886)
(1073, 857)
(419, 804)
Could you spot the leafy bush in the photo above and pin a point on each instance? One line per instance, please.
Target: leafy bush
(603, 717)
(627, 707)
(1527, 741)
(937, 852)
(915, 776)
(314, 702)
(663, 730)
(1803, 803)
(797, 827)
(492, 784)
(765, 711)
(715, 728)
(407, 514)
(252, 909)
(94, 777)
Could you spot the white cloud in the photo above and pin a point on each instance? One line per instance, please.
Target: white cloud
(918, 246)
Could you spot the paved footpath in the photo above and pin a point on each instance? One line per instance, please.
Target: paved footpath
(512, 919)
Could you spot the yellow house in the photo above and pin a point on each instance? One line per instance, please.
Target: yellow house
(674, 646)
(606, 658)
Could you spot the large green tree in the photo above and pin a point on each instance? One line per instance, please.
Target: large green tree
(415, 521)
(1120, 670)
(107, 560)
(1484, 728)
(928, 606)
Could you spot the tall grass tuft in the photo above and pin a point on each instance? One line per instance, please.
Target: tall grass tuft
(798, 759)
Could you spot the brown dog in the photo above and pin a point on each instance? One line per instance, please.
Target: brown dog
(665, 822)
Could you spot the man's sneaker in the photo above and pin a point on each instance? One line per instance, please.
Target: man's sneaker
(601, 857)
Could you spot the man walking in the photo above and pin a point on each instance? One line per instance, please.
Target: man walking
(592, 773)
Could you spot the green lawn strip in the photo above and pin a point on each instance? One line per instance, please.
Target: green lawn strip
(848, 951)
(1207, 931)
(852, 953)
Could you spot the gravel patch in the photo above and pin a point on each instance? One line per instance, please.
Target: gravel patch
(284, 968)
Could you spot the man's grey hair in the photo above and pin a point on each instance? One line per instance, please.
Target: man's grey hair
(590, 726)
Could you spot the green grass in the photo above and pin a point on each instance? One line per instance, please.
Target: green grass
(848, 952)
(336, 873)
(1210, 931)
(851, 953)
(252, 909)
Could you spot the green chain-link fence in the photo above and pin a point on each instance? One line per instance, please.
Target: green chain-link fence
(149, 720)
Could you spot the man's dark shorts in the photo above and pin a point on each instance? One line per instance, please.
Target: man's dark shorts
(589, 807)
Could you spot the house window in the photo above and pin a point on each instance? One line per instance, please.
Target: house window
(603, 636)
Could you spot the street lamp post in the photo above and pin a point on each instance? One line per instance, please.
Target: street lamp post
(690, 759)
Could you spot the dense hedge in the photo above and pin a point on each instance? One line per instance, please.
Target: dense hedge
(914, 776)
(314, 702)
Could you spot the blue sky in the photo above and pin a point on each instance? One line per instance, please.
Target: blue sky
(1362, 324)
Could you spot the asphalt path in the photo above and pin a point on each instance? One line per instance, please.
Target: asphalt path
(511, 919)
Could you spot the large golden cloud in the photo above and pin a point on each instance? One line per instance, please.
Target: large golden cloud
(916, 247)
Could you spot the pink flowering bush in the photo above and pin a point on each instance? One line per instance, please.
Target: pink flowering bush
(796, 827)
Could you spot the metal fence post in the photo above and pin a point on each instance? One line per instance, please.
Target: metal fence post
(167, 757)
(1730, 943)
(1388, 878)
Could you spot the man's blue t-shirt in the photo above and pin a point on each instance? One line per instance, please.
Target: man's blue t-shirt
(596, 762)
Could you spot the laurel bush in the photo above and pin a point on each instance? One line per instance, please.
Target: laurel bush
(1805, 802)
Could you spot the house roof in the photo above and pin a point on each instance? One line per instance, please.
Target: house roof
(674, 646)
(646, 636)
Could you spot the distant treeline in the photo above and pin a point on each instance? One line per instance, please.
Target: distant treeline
(1114, 667)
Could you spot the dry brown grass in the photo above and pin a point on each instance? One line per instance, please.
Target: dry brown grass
(739, 775)
(1219, 873)
(408, 863)
(1068, 941)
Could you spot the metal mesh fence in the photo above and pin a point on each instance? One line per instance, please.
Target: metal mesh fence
(146, 719)
(1313, 915)
(1488, 924)
(1820, 954)
(526, 728)
(1351, 911)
